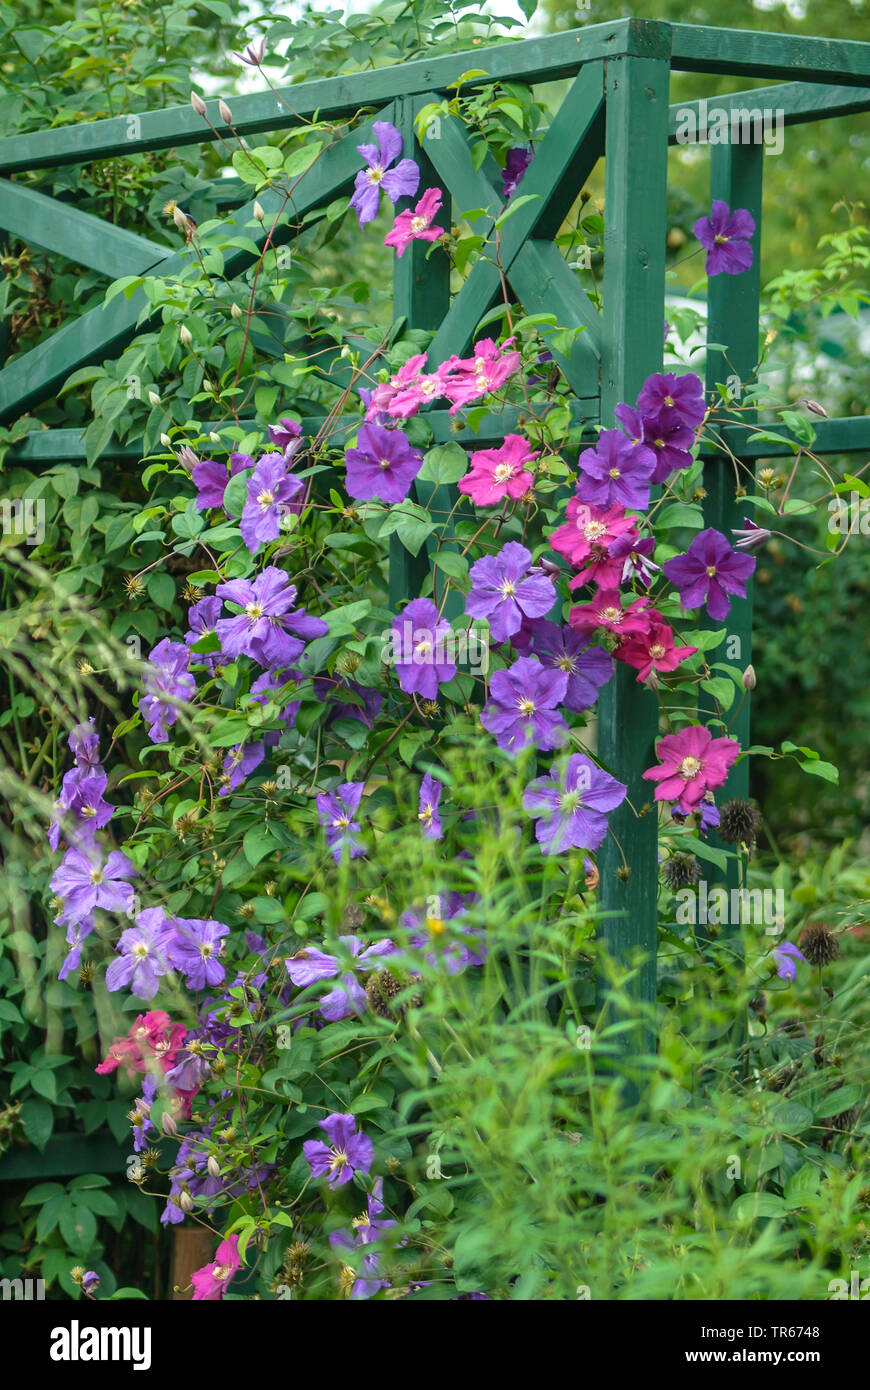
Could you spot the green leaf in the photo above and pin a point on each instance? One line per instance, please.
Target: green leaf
(680, 514)
(37, 1121)
(78, 1226)
(755, 1206)
(838, 1101)
(452, 563)
(827, 771)
(446, 463)
(257, 843)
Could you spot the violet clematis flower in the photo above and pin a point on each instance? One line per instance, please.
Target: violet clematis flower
(751, 536)
(144, 955)
(382, 466)
(691, 763)
(167, 681)
(709, 572)
(665, 433)
(238, 763)
(417, 225)
(349, 1151)
(271, 489)
(516, 164)
(84, 744)
(287, 435)
(195, 950)
(588, 667)
(787, 955)
(635, 556)
(211, 479)
(430, 796)
(365, 1281)
(400, 182)
(505, 590)
(616, 471)
(263, 629)
(348, 997)
(522, 711)
(336, 811)
(667, 391)
(212, 1281)
(84, 881)
(202, 622)
(726, 237)
(419, 647)
(80, 810)
(456, 947)
(570, 805)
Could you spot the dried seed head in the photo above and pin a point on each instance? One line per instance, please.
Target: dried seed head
(739, 823)
(819, 944)
(681, 870)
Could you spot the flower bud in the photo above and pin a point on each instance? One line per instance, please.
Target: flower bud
(215, 437)
(213, 1166)
(168, 1125)
(197, 103)
(153, 398)
(236, 311)
(749, 681)
(225, 113)
(258, 213)
(166, 441)
(179, 218)
(185, 1201)
(185, 335)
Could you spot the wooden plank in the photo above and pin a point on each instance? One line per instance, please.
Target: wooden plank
(634, 311)
(60, 227)
(798, 101)
(747, 53)
(848, 435)
(545, 284)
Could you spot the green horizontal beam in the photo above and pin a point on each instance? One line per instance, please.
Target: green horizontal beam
(746, 53)
(64, 1156)
(60, 227)
(848, 435)
(47, 447)
(798, 101)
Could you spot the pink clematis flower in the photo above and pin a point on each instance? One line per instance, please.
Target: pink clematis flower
(417, 225)
(472, 377)
(212, 1281)
(499, 473)
(408, 390)
(606, 611)
(589, 532)
(691, 763)
(654, 650)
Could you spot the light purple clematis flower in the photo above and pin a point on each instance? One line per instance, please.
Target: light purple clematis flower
(201, 622)
(271, 489)
(455, 948)
(420, 643)
(85, 881)
(84, 744)
(430, 796)
(348, 997)
(195, 950)
(80, 810)
(522, 711)
(400, 182)
(349, 1151)
(709, 572)
(616, 471)
(383, 465)
(336, 811)
(570, 805)
(787, 955)
(506, 590)
(263, 629)
(587, 666)
(287, 435)
(211, 479)
(144, 955)
(516, 164)
(366, 1283)
(167, 681)
(727, 238)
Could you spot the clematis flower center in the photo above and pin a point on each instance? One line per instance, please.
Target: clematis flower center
(423, 645)
(566, 663)
(140, 950)
(720, 240)
(569, 803)
(418, 224)
(205, 949)
(426, 814)
(221, 1272)
(612, 615)
(689, 768)
(657, 651)
(669, 400)
(711, 570)
(265, 498)
(339, 1159)
(508, 589)
(614, 473)
(384, 463)
(96, 876)
(254, 611)
(376, 173)
(435, 925)
(526, 707)
(595, 529)
(503, 471)
(340, 823)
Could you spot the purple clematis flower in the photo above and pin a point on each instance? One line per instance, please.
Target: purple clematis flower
(588, 667)
(270, 491)
(84, 744)
(366, 1283)
(195, 950)
(349, 1151)
(505, 590)
(516, 164)
(167, 681)
(617, 470)
(726, 237)
(751, 535)
(709, 572)
(211, 479)
(80, 810)
(238, 763)
(667, 391)
(348, 997)
(287, 435)
(84, 881)
(400, 182)
(382, 466)
(263, 629)
(420, 643)
(787, 955)
(336, 810)
(144, 955)
(665, 433)
(570, 806)
(201, 622)
(430, 795)
(522, 711)
(462, 945)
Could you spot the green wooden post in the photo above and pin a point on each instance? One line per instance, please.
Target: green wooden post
(634, 298)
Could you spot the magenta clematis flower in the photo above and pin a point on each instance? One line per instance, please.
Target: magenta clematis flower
(787, 955)
(311, 964)
(653, 650)
(336, 811)
(522, 711)
(270, 491)
(85, 881)
(430, 796)
(167, 681)
(506, 590)
(726, 237)
(421, 647)
(212, 1281)
(606, 611)
(417, 225)
(195, 950)
(709, 572)
(616, 471)
(665, 433)
(570, 805)
(406, 391)
(588, 533)
(400, 182)
(144, 955)
(349, 1151)
(516, 164)
(383, 465)
(499, 473)
(470, 378)
(691, 763)
(667, 391)
(587, 667)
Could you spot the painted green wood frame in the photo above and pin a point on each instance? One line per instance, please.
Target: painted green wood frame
(617, 108)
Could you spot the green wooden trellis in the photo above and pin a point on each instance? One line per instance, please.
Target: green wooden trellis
(617, 108)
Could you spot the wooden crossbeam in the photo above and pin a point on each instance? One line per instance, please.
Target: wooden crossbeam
(60, 227)
(746, 53)
(105, 330)
(799, 102)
